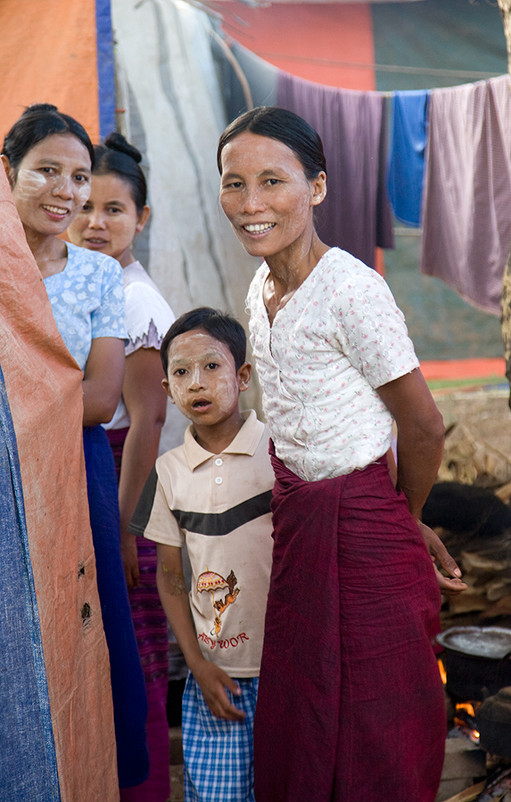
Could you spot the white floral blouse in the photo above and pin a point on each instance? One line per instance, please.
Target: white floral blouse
(338, 338)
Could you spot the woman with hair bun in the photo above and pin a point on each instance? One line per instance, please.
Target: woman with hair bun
(48, 158)
(114, 214)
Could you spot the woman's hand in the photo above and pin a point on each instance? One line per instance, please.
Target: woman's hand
(451, 584)
(129, 556)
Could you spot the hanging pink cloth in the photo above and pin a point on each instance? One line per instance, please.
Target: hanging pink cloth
(350, 703)
(467, 191)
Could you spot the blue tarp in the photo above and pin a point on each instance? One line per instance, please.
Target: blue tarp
(28, 766)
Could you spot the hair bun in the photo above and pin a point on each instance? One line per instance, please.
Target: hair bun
(39, 107)
(116, 141)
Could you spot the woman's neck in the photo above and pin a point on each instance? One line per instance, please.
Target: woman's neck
(290, 269)
(287, 274)
(49, 251)
(126, 258)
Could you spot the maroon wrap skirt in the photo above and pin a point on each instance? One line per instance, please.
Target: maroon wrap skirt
(350, 704)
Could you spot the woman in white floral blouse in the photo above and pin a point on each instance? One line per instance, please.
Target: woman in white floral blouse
(350, 700)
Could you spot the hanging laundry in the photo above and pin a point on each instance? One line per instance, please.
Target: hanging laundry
(409, 130)
(467, 190)
(46, 545)
(356, 214)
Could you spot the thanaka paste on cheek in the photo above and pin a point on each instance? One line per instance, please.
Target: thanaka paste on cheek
(193, 355)
(32, 182)
(29, 182)
(226, 392)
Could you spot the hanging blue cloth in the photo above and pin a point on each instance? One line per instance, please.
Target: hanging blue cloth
(28, 763)
(409, 132)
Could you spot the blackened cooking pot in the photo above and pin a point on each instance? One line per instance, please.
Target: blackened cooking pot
(493, 721)
(477, 661)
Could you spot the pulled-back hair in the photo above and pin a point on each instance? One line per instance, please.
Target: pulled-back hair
(116, 156)
(35, 124)
(284, 126)
(219, 325)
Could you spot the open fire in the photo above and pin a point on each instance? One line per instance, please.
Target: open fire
(464, 713)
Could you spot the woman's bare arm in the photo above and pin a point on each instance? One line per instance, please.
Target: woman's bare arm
(102, 382)
(420, 439)
(146, 402)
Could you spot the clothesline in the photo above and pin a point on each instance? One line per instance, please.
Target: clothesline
(459, 131)
(469, 75)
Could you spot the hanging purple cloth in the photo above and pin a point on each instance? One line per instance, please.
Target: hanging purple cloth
(467, 190)
(409, 134)
(356, 214)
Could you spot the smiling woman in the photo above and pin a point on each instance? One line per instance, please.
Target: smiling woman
(48, 159)
(115, 212)
(336, 367)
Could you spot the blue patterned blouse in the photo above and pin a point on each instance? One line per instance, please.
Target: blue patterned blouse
(87, 299)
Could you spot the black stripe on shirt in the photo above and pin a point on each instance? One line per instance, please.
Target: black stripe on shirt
(142, 513)
(202, 523)
(218, 524)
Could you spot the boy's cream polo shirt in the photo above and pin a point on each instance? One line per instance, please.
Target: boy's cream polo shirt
(219, 506)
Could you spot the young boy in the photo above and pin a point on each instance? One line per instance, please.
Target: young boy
(213, 494)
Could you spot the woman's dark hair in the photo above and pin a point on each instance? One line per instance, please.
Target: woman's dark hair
(284, 126)
(117, 156)
(222, 327)
(35, 124)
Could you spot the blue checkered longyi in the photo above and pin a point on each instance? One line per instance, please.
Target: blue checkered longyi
(218, 754)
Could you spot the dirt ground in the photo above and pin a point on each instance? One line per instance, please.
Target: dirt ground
(483, 410)
(478, 442)
(176, 765)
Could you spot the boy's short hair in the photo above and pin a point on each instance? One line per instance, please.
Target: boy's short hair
(221, 326)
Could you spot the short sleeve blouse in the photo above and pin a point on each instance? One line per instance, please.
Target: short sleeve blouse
(148, 318)
(339, 338)
(87, 300)
(148, 315)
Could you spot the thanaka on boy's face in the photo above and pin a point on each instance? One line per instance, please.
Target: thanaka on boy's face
(202, 380)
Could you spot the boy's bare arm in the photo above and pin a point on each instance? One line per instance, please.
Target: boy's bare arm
(174, 598)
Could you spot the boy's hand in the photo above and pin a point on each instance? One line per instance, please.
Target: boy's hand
(213, 681)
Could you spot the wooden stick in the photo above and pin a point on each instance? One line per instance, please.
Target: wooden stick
(469, 794)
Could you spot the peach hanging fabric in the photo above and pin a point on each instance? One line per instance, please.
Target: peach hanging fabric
(48, 55)
(44, 392)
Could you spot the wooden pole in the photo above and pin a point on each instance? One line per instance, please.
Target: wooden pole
(505, 10)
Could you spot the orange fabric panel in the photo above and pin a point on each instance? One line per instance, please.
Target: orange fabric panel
(48, 54)
(44, 391)
(464, 368)
(329, 43)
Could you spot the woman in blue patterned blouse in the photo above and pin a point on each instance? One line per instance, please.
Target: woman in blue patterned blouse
(48, 158)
